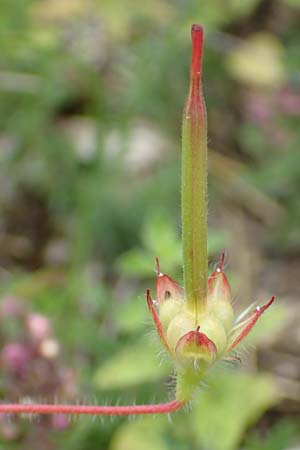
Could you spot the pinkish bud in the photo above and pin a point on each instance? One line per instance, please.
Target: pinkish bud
(15, 357)
(68, 381)
(196, 348)
(9, 430)
(11, 307)
(60, 421)
(38, 326)
(49, 348)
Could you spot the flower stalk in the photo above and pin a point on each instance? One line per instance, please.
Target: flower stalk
(160, 408)
(194, 184)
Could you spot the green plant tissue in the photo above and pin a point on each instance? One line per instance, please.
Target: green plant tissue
(132, 365)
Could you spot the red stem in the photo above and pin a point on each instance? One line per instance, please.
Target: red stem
(161, 408)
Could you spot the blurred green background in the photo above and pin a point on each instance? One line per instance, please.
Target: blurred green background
(91, 96)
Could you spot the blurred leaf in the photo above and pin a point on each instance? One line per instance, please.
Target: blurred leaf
(130, 366)
(55, 10)
(160, 239)
(269, 325)
(120, 22)
(252, 138)
(136, 263)
(281, 436)
(147, 434)
(293, 3)
(258, 61)
(132, 317)
(231, 403)
(218, 418)
(217, 241)
(216, 13)
(240, 9)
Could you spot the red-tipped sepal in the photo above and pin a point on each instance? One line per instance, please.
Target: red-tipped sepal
(166, 287)
(218, 286)
(243, 329)
(157, 322)
(196, 347)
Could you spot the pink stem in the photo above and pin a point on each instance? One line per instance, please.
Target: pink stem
(161, 408)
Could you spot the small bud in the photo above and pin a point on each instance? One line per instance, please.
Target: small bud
(11, 307)
(181, 324)
(49, 348)
(222, 310)
(38, 326)
(15, 357)
(168, 310)
(214, 330)
(60, 421)
(196, 348)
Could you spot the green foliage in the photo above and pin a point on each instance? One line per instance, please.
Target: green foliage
(284, 434)
(268, 326)
(258, 61)
(241, 399)
(134, 364)
(159, 238)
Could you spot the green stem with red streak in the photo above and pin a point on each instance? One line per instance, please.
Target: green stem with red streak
(194, 184)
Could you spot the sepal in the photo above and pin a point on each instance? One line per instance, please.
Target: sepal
(166, 287)
(157, 322)
(196, 347)
(218, 286)
(240, 331)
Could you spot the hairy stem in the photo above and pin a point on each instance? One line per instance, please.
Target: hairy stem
(194, 183)
(160, 408)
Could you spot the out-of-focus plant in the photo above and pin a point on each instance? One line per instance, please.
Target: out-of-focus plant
(285, 434)
(31, 365)
(159, 236)
(195, 323)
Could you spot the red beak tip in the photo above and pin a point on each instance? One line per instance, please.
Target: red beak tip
(196, 28)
